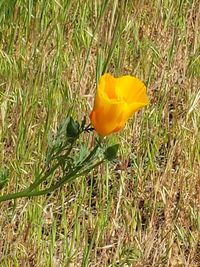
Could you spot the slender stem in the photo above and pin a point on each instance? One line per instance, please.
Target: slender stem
(67, 178)
(37, 182)
(30, 191)
(92, 153)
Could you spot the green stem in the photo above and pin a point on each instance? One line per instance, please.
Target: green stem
(37, 182)
(92, 153)
(30, 191)
(67, 178)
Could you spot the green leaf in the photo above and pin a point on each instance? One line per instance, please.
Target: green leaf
(4, 175)
(83, 153)
(111, 152)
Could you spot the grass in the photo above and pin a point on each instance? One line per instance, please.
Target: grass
(143, 211)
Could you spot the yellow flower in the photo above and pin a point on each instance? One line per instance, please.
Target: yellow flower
(115, 102)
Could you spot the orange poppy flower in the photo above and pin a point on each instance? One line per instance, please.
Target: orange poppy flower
(115, 102)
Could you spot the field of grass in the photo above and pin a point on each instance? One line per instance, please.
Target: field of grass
(145, 209)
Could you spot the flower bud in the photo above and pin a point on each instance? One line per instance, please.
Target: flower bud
(72, 128)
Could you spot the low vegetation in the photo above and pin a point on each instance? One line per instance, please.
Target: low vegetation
(142, 211)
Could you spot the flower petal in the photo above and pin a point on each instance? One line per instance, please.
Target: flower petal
(107, 114)
(116, 100)
(107, 85)
(131, 90)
